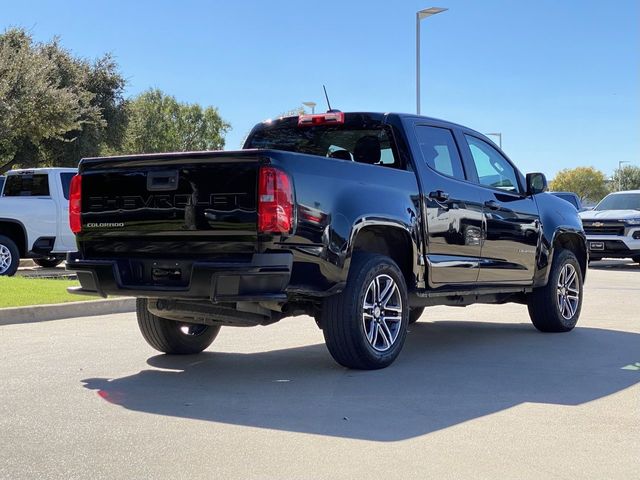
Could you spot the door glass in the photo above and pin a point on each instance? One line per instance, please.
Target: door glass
(439, 150)
(493, 169)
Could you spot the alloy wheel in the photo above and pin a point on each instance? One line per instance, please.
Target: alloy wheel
(5, 259)
(382, 313)
(568, 291)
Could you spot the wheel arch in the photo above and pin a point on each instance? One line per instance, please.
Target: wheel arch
(15, 230)
(391, 239)
(563, 238)
(576, 243)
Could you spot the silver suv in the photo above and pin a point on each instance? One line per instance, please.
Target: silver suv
(613, 226)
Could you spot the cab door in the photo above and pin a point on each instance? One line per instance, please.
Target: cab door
(511, 220)
(452, 212)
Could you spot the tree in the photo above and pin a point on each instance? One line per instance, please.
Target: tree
(33, 106)
(55, 108)
(587, 182)
(106, 86)
(626, 178)
(159, 123)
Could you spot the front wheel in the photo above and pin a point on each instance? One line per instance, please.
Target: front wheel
(556, 306)
(365, 326)
(173, 337)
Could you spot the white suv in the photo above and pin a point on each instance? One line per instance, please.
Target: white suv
(613, 226)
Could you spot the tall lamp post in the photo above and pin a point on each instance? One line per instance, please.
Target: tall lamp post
(311, 105)
(499, 135)
(620, 162)
(427, 12)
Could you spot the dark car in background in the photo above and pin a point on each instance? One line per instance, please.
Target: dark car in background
(570, 197)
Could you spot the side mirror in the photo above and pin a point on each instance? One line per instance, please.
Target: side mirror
(536, 183)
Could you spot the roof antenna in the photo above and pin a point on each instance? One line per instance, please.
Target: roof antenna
(327, 97)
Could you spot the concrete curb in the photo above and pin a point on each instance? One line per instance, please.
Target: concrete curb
(42, 313)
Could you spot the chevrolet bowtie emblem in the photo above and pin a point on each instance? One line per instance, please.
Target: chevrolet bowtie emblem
(597, 224)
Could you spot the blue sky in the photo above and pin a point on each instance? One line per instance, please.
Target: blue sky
(559, 79)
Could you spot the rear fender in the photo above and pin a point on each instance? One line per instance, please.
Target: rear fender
(391, 237)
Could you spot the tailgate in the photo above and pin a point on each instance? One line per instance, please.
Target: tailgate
(171, 205)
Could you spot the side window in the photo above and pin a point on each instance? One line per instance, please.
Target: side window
(493, 169)
(65, 178)
(439, 150)
(27, 186)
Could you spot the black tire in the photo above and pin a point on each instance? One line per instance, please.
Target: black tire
(9, 256)
(50, 262)
(636, 259)
(168, 336)
(544, 303)
(343, 315)
(415, 314)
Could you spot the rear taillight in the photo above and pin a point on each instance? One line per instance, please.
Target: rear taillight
(75, 204)
(329, 118)
(275, 201)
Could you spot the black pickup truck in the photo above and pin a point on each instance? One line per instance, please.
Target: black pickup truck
(359, 220)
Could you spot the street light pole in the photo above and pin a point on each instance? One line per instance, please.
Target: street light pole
(419, 16)
(499, 135)
(620, 162)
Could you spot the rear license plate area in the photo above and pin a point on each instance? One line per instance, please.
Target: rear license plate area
(169, 273)
(161, 273)
(597, 246)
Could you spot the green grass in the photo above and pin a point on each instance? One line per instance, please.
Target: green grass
(20, 292)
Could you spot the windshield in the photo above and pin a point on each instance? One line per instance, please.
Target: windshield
(341, 142)
(620, 201)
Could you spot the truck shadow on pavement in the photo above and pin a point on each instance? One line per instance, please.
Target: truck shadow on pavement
(448, 373)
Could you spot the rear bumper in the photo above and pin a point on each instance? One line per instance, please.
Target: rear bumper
(262, 278)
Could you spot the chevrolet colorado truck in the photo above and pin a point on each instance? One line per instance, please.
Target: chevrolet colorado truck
(359, 220)
(613, 226)
(34, 217)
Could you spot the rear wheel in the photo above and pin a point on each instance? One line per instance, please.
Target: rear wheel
(173, 337)
(556, 306)
(9, 256)
(365, 326)
(49, 262)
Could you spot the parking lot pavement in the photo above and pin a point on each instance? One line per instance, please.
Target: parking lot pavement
(476, 393)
